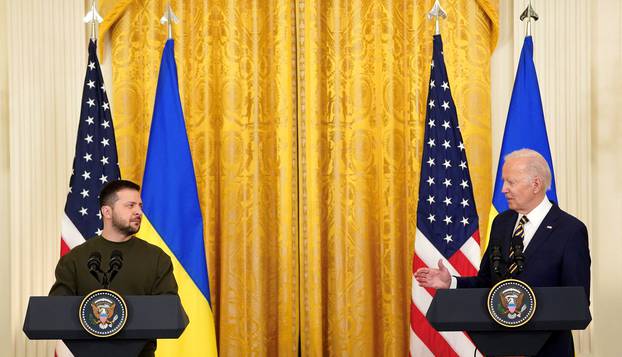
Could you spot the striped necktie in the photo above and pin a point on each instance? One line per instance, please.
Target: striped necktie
(519, 233)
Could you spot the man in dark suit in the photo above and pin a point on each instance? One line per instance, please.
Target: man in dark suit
(556, 251)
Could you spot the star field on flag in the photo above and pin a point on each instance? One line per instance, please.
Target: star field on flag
(95, 162)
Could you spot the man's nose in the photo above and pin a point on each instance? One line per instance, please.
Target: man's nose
(504, 188)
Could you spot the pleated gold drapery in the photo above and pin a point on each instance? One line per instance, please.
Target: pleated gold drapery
(305, 121)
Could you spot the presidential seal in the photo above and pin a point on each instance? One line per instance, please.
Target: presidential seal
(103, 313)
(511, 303)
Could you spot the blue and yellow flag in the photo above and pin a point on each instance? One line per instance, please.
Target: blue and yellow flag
(524, 127)
(173, 219)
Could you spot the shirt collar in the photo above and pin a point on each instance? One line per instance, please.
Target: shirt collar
(537, 214)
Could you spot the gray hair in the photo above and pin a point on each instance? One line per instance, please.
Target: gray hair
(536, 164)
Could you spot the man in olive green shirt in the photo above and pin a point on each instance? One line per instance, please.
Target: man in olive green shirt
(146, 269)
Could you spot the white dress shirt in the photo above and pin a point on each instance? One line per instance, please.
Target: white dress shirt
(535, 217)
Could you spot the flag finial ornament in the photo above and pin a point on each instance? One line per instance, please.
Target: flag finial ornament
(93, 18)
(529, 14)
(436, 12)
(168, 18)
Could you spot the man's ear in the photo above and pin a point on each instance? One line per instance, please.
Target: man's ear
(538, 184)
(106, 211)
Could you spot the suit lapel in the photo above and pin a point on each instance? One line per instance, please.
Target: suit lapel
(544, 230)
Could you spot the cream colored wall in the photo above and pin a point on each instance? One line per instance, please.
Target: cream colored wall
(5, 329)
(578, 56)
(45, 55)
(606, 97)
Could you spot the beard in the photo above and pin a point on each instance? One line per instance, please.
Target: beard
(124, 227)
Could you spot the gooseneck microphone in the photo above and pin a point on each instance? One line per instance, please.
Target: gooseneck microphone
(519, 257)
(495, 259)
(115, 263)
(94, 264)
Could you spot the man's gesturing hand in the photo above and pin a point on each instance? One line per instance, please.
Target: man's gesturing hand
(434, 278)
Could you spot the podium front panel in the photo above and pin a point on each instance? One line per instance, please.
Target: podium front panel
(149, 317)
(557, 308)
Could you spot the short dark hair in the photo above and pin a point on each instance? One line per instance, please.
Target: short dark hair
(108, 194)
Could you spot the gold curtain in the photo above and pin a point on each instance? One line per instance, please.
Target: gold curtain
(305, 121)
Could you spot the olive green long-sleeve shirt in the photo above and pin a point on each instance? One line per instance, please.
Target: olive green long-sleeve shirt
(146, 269)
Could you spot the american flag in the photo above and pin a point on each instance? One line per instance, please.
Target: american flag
(447, 222)
(95, 162)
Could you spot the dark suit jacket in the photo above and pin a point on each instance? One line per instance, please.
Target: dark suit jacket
(557, 255)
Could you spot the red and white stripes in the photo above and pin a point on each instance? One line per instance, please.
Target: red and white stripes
(424, 339)
(70, 237)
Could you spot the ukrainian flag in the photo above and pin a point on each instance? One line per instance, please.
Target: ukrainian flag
(524, 127)
(173, 218)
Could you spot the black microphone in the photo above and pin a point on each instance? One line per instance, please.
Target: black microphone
(519, 257)
(94, 263)
(115, 263)
(495, 259)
